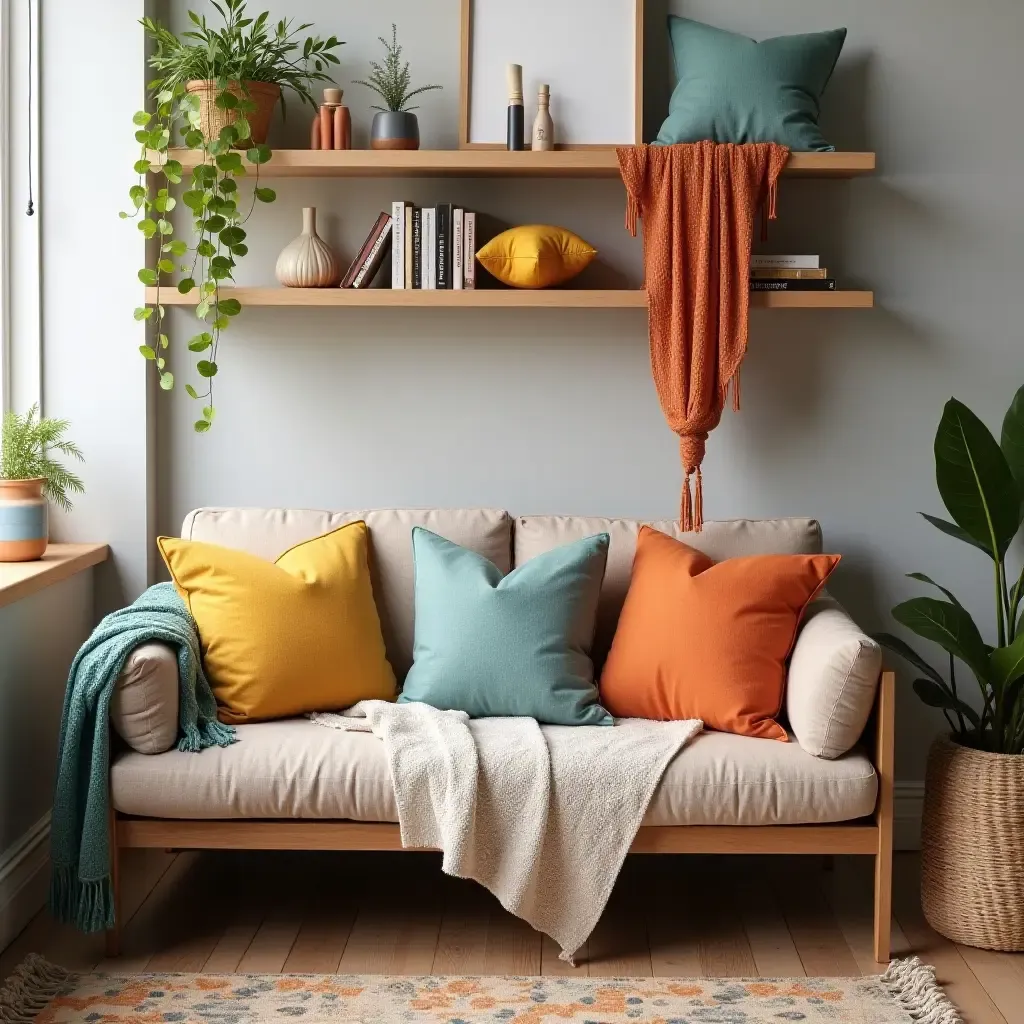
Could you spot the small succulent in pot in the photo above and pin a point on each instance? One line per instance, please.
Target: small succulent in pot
(394, 125)
(29, 475)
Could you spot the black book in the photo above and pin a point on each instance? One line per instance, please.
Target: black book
(823, 284)
(444, 245)
(417, 248)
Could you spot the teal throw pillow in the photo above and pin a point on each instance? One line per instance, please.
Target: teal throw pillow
(515, 645)
(734, 89)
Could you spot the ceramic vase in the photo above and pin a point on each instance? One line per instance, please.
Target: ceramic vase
(308, 262)
(394, 129)
(24, 528)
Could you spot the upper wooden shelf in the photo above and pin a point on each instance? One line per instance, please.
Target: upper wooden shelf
(498, 298)
(22, 579)
(496, 163)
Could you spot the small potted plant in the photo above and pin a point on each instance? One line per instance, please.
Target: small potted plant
(395, 125)
(972, 885)
(29, 475)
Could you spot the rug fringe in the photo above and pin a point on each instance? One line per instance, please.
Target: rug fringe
(27, 991)
(912, 984)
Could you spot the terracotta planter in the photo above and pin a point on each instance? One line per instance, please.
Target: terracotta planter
(212, 119)
(24, 528)
(394, 129)
(972, 846)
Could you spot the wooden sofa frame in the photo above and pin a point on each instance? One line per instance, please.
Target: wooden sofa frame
(870, 836)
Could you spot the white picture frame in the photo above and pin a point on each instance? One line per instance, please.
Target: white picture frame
(593, 64)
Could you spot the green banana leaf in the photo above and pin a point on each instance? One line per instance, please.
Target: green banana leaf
(936, 696)
(1007, 663)
(1012, 441)
(952, 530)
(922, 578)
(974, 480)
(908, 654)
(949, 626)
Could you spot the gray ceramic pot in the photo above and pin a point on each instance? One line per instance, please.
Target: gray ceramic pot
(394, 129)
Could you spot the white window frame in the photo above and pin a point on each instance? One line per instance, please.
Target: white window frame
(5, 203)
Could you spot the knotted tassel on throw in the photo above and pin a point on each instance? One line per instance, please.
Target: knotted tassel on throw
(691, 503)
(686, 507)
(736, 391)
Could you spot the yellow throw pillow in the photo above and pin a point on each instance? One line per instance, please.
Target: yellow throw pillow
(282, 638)
(535, 256)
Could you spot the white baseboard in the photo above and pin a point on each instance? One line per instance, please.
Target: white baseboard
(908, 803)
(24, 879)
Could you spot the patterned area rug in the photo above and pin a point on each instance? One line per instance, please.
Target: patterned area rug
(41, 993)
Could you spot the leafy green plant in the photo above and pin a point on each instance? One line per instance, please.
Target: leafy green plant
(981, 482)
(241, 51)
(391, 80)
(25, 446)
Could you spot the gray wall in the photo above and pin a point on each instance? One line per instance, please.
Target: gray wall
(556, 412)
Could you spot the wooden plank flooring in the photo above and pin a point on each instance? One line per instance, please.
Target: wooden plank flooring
(669, 916)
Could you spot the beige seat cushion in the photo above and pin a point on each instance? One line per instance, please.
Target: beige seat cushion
(294, 769)
(729, 539)
(270, 532)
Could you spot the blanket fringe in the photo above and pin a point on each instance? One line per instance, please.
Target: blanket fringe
(27, 991)
(912, 984)
(632, 212)
(87, 905)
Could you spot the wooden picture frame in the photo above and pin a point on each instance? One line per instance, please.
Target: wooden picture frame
(519, 14)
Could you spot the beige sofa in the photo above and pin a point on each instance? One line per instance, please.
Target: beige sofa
(295, 785)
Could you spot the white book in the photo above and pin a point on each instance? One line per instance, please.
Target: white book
(457, 267)
(398, 245)
(469, 250)
(788, 262)
(430, 247)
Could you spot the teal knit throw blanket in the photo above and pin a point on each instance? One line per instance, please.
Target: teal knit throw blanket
(80, 885)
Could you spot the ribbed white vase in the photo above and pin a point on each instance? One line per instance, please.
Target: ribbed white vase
(308, 261)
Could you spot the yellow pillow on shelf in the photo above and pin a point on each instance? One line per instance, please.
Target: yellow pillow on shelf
(282, 638)
(535, 256)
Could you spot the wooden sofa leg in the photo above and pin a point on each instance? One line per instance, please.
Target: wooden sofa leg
(884, 766)
(113, 935)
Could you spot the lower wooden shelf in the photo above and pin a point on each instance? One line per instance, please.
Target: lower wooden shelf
(498, 298)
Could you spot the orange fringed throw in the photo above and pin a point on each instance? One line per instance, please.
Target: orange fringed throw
(698, 202)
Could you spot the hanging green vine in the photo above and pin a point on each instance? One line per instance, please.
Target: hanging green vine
(241, 52)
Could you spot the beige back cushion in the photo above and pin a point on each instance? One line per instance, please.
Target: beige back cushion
(270, 532)
(729, 539)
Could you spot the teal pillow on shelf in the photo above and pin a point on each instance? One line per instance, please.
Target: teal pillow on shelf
(734, 89)
(515, 645)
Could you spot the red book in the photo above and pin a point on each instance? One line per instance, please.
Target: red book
(372, 247)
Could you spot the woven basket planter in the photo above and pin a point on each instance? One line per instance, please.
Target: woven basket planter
(972, 846)
(212, 119)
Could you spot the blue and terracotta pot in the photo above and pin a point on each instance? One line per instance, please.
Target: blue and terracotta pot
(24, 530)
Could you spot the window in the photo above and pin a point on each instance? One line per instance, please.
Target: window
(5, 148)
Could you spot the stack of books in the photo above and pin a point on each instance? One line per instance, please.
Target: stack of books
(789, 274)
(431, 247)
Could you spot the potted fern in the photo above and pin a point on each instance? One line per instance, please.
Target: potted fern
(394, 126)
(29, 475)
(972, 882)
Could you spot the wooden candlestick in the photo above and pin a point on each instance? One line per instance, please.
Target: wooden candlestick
(514, 77)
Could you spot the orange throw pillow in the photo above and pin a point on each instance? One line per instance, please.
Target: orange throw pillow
(700, 639)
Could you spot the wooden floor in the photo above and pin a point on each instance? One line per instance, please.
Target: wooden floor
(397, 914)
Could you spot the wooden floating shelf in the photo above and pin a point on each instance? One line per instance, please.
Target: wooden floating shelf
(497, 298)
(495, 163)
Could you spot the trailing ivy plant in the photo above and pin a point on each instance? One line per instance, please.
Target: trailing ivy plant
(981, 482)
(240, 51)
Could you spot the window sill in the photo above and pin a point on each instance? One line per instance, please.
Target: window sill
(19, 580)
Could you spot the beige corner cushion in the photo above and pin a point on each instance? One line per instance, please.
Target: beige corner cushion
(295, 769)
(733, 538)
(833, 676)
(269, 532)
(144, 705)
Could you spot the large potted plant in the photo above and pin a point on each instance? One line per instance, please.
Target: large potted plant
(972, 843)
(394, 126)
(216, 90)
(29, 476)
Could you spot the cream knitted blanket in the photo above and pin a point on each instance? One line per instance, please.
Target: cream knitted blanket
(541, 815)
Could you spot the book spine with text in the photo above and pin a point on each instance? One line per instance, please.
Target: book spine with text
(398, 245)
(364, 249)
(787, 273)
(827, 284)
(469, 249)
(417, 248)
(429, 248)
(378, 253)
(444, 246)
(789, 262)
(407, 255)
(458, 269)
